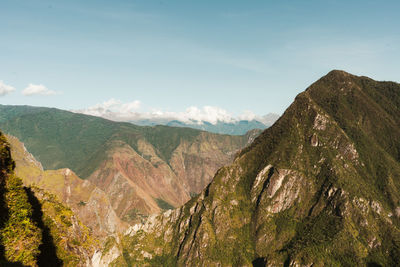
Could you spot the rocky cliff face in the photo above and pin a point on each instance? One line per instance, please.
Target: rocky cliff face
(320, 187)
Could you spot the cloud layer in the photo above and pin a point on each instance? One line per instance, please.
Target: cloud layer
(113, 108)
(5, 89)
(118, 111)
(37, 89)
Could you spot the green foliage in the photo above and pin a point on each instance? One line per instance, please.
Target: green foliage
(20, 236)
(69, 234)
(134, 215)
(109, 244)
(34, 232)
(57, 138)
(164, 205)
(166, 139)
(317, 230)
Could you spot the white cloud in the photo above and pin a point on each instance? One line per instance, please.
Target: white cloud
(248, 115)
(116, 110)
(38, 89)
(192, 115)
(130, 107)
(113, 109)
(5, 89)
(206, 113)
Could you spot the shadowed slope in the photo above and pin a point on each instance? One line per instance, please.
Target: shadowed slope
(19, 235)
(47, 248)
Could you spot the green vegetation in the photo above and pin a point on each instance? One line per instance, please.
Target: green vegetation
(135, 215)
(60, 139)
(164, 205)
(68, 234)
(35, 228)
(20, 237)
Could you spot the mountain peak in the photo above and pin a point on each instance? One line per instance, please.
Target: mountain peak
(337, 81)
(338, 74)
(337, 77)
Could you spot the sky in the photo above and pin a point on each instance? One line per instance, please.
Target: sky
(211, 58)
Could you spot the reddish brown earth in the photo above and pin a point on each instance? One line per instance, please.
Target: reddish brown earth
(135, 180)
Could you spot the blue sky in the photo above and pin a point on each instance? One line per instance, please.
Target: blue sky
(170, 55)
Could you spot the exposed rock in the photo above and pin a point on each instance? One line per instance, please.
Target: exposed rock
(397, 212)
(376, 207)
(320, 122)
(287, 195)
(314, 140)
(100, 260)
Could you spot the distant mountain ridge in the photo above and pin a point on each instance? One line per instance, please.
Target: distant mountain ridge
(209, 119)
(233, 128)
(142, 169)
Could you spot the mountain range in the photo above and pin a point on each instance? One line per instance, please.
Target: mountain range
(142, 169)
(320, 187)
(237, 127)
(211, 119)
